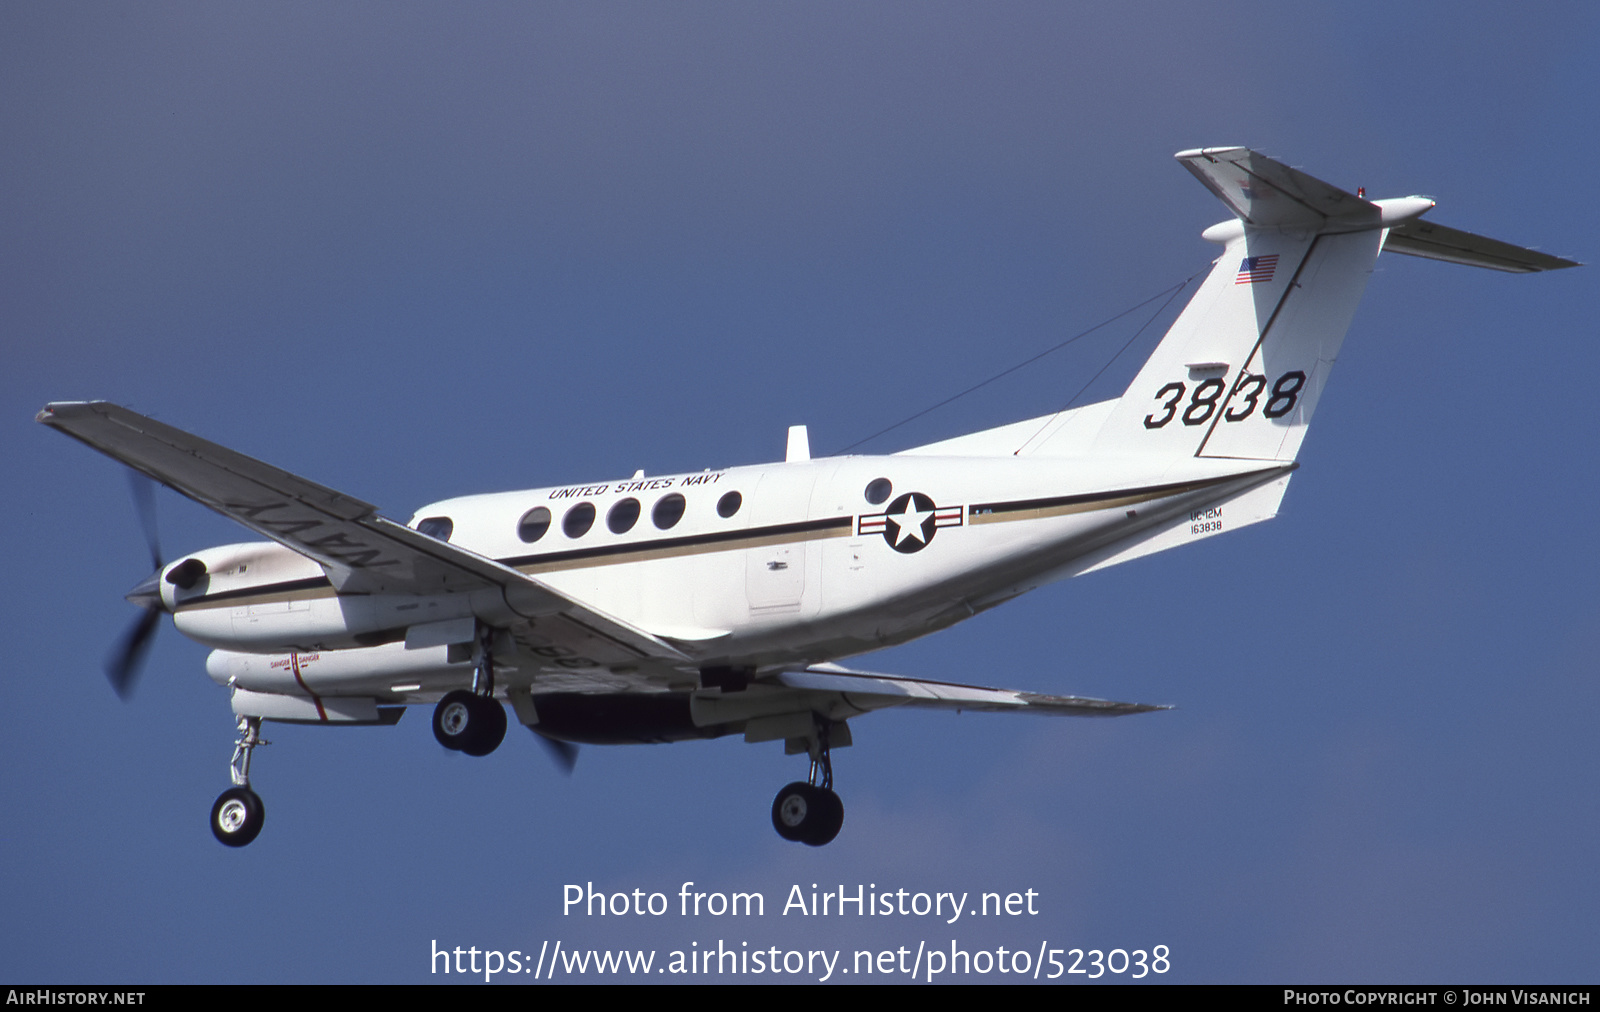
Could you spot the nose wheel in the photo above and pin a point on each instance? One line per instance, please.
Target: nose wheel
(808, 811)
(237, 816)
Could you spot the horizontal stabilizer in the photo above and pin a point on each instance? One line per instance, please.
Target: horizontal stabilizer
(1420, 238)
(1264, 193)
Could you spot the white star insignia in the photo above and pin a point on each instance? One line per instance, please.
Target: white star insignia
(909, 522)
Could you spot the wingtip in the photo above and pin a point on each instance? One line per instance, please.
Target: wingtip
(1209, 152)
(52, 410)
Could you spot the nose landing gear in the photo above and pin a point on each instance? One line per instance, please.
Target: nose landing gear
(237, 816)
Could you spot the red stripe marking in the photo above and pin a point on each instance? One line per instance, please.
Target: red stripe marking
(294, 662)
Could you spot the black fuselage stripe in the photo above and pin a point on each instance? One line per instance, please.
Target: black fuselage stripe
(833, 526)
(1148, 492)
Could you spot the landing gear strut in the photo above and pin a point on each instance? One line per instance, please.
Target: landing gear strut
(809, 811)
(472, 721)
(237, 816)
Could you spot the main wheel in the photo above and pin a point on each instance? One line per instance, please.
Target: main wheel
(830, 819)
(452, 719)
(490, 720)
(237, 816)
(469, 723)
(797, 810)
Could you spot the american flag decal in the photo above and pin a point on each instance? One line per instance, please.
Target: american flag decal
(1253, 270)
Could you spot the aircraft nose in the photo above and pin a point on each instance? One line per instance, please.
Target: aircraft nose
(147, 594)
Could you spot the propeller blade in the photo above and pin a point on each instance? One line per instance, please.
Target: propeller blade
(123, 666)
(125, 662)
(565, 753)
(144, 503)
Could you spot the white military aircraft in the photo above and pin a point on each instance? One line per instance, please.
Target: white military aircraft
(659, 609)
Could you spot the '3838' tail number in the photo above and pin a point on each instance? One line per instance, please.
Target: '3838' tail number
(1242, 403)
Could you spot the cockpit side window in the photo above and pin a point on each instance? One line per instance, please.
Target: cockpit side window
(437, 527)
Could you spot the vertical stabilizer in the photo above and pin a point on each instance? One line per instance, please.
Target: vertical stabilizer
(1242, 369)
(1239, 373)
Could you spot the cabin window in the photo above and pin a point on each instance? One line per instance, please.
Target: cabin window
(729, 504)
(878, 490)
(437, 527)
(621, 517)
(668, 511)
(533, 524)
(578, 520)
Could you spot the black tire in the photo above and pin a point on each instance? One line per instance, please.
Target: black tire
(490, 721)
(830, 819)
(795, 811)
(452, 720)
(465, 722)
(237, 816)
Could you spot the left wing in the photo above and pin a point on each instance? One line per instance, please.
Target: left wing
(867, 690)
(791, 704)
(360, 551)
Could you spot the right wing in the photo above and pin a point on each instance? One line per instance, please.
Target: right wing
(360, 551)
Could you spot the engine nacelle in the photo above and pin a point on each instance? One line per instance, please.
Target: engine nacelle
(261, 597)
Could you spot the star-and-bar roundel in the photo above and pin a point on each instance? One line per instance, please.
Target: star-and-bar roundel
(909, 522)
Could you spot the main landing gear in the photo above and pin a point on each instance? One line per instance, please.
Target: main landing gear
(466, 722)
(472, 721)
(237, 816)
(808, 811)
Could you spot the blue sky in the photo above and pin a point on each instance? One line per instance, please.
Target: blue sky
(415, 251)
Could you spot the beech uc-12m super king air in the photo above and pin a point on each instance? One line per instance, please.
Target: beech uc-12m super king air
(695, 606)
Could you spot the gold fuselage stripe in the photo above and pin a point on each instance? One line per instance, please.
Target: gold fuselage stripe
(756, 537)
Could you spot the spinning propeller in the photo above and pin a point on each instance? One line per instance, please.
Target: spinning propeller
(565, 753)
(124, 664)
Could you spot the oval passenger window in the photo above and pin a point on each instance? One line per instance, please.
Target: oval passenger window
(623, 516)
(533, 524)
(578, 520)
(668, 511)
(729, 504)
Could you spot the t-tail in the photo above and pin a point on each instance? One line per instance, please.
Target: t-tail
(1242, 369)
